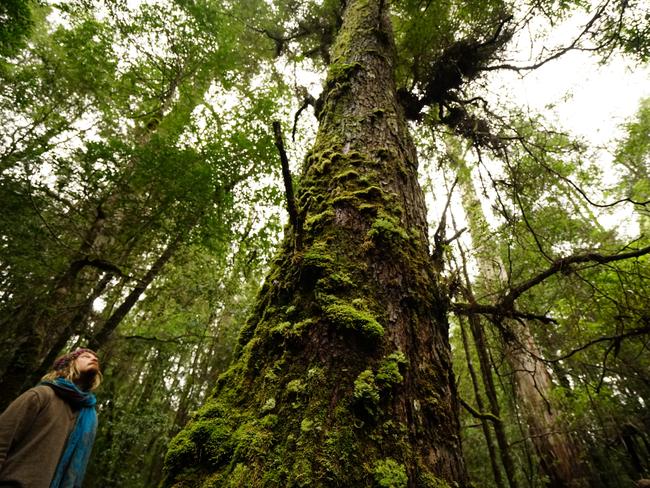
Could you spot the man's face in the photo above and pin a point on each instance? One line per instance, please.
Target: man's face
(87, 362)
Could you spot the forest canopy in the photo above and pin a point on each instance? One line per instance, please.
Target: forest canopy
(325, 243)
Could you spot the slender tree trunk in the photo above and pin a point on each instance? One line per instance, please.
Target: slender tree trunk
(37, 324)
(496, 471)
(344, 374)
(490, 389)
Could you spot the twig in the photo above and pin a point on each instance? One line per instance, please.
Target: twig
(556, 54)
(306, 102)
(616, 339)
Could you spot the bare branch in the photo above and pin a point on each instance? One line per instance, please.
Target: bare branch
(498, 310)
(306, 102)
(562, 51)
(616, 339)
(288, 184)
(455, 236)
(563, 264)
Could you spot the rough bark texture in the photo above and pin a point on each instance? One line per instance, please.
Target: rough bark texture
(344, 375)
(561, 457)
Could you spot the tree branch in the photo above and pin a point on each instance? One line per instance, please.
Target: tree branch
(556, 54)
(479, 415)
(308, 100)
(176, 339)
(563, 264)
(288, 184)
(498, 310)
(616, 339)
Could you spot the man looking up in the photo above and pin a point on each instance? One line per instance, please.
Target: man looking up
(47, 433)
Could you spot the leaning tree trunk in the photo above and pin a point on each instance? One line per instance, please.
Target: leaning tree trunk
(344, 375)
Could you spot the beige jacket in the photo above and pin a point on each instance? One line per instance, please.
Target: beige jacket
(33, 433)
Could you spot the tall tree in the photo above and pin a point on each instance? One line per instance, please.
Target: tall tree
(559, 455)
(344, 374)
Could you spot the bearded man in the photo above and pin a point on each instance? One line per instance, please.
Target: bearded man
(47, 433)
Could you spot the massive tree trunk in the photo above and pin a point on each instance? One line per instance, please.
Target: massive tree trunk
(344, 376)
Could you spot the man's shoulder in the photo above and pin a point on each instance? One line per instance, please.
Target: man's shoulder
(47, 399)
(42, 392)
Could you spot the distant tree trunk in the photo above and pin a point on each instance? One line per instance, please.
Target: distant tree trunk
(486, 372)
(73, 327)
(560, 456)
(496, 471)
(344, 373)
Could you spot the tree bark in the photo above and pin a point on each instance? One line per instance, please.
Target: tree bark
(344, 376)
(561, 457)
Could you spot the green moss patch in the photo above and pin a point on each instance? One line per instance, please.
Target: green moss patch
(346, 316)
(388, 229)
(388, 373)
(390, 474)
(365, 390)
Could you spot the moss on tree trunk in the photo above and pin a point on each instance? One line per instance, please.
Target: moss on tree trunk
(343, 377)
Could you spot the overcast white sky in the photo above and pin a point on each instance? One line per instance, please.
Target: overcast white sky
(589, 100)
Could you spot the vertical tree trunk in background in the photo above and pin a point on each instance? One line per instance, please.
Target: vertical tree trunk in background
(560, 456)
(496, 471)
(486, 373)
(344, 374)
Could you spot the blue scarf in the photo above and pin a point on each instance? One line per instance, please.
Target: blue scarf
(72, 465)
